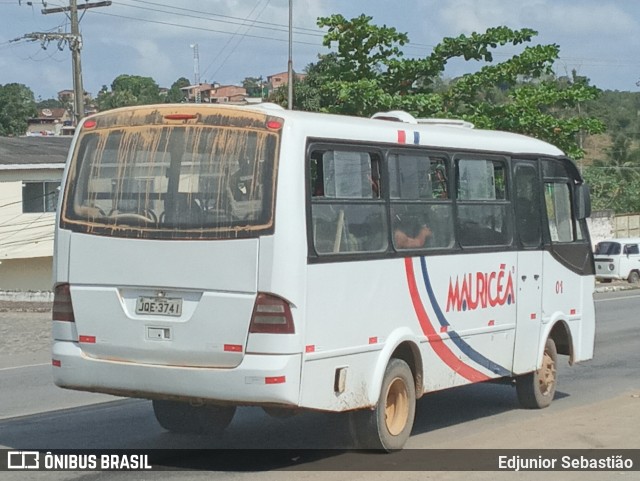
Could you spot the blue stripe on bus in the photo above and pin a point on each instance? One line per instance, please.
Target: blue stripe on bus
(469, 351)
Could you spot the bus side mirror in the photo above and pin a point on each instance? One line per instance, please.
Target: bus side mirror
(582, 201)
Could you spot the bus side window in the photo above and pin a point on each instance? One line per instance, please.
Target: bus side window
(316, 176)
(483, 208)
(421, 211)
(348, 214)
(527, 200)
(557, 196)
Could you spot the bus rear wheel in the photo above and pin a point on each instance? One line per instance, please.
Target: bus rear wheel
(388, 426)
(181, 417)
(537, 389)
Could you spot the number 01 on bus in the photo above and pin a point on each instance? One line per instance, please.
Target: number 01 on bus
(209, 257)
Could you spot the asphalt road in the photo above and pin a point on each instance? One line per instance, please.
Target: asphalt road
(597, 406)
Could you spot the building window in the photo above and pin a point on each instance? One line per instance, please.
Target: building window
(40, 196)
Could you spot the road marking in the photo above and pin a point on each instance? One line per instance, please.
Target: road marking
(617, 298)
(27, 365)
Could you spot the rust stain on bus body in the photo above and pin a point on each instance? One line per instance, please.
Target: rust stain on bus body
(203, 114)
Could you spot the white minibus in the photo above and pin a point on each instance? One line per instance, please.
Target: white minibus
(209, 257)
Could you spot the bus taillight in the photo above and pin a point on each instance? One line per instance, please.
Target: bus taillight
(62, 307)
(271, 315)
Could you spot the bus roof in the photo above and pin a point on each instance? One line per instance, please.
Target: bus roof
(347, 128)
(430, 134)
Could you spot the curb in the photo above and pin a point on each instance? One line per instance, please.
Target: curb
(616, 288)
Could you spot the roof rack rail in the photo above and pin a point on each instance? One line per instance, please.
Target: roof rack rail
(407, 118)
(396, 116)
(450, 122)
(267, 106)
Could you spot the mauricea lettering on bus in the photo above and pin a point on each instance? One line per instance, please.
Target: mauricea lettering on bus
(481, 290)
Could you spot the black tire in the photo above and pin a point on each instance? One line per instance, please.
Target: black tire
(388, 426)
(634, 277)
(537, 389)
(180, 417)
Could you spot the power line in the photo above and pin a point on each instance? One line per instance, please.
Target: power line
(25, 242)
(228, 18)
(28, 199)
(2, 240)
(73, 40)
(242, 37)
(191, 27)
(28, 227)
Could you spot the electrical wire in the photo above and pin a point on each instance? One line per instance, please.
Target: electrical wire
(28, 199)
(227, 18)
(191, 27)
(3, 240)
(242, 37)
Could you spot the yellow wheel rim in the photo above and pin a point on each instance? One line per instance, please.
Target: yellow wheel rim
(547, 375)
(396, 411)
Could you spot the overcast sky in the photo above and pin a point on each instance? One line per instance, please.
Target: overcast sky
(242, 38)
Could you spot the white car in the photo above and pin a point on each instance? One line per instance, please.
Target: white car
(618, 259)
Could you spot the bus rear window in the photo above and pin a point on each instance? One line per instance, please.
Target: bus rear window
(173, 182)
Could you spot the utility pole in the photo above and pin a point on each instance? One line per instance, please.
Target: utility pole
(76, 46)
(196, 73)
(74, 40)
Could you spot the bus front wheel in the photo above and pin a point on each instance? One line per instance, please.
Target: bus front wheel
(537, 389)
(388, 425)
(181, 417)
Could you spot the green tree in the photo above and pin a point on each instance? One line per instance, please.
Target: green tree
(17, 105)
(254, 86)
(615, 180)
(368, 73)
(609, 191)
(176, 95)
(129, 90)
(49, 104)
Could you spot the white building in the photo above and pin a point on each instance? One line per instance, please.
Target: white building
(30, 173)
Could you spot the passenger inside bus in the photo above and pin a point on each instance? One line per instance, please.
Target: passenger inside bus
(408, 233)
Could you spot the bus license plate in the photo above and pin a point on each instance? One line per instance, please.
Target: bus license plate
(162, 306)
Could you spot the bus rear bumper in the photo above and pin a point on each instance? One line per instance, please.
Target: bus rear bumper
(258, 380)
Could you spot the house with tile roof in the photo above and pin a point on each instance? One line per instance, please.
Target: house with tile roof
(50, 122)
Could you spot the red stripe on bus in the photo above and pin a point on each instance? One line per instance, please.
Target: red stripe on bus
(275, 380)
(233, 347)
(439, 347)
(87, 339)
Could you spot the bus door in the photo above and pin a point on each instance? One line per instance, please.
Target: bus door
(528, 210)
(568, 262)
